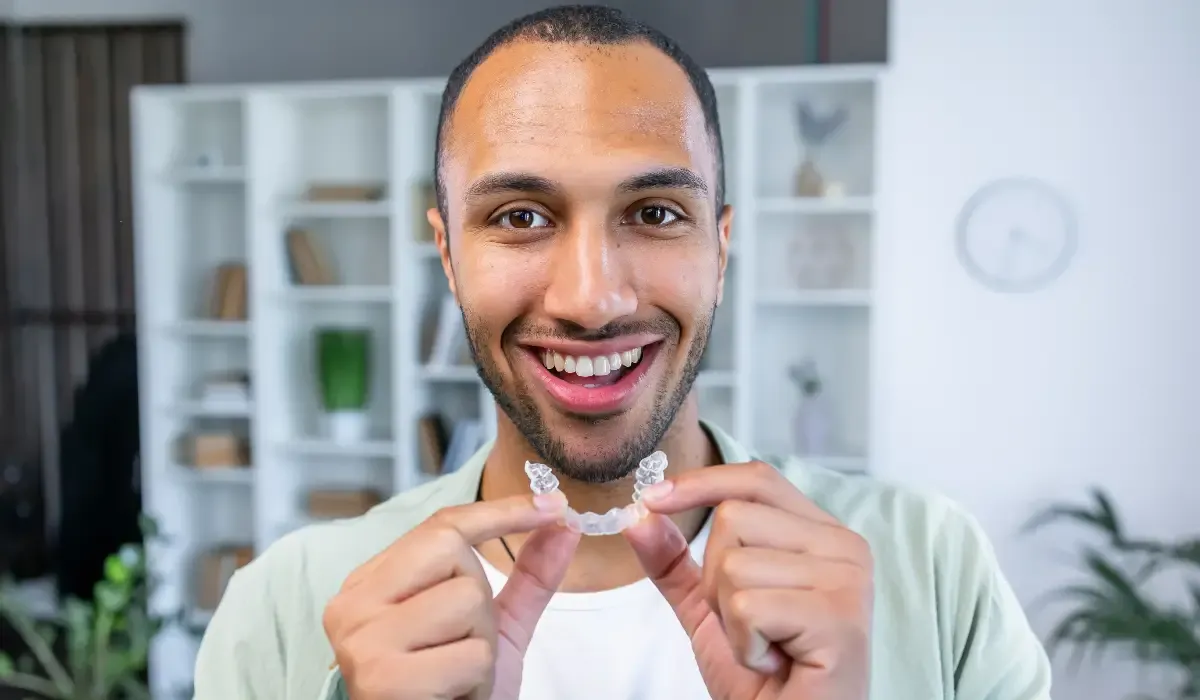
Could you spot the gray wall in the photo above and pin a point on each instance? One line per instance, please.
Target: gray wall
(268, 40)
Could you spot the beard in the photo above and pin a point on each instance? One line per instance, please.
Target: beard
(621, 459)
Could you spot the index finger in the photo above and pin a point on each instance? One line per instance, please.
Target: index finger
(445, 533)
(756, 482)
(481, 521)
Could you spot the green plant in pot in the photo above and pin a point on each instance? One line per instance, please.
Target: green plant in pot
(343, 367)
(90, 650)
(1111, 608)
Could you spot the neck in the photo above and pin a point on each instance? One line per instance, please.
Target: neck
(600, 562)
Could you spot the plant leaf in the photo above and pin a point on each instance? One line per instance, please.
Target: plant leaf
(1100, 515)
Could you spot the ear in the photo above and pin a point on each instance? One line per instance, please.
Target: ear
(434, 217)
(724, 230)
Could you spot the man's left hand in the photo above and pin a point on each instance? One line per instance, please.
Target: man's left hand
(781, 609)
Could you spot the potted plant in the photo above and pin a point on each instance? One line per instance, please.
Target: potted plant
(1111, 609)
(343, 369)
(95, 650)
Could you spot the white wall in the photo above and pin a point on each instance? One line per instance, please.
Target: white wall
(1004, 401)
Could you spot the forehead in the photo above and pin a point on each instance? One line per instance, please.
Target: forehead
(542, 107)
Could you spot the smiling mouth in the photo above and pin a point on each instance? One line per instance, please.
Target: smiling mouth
(598, 383)
(591, 371)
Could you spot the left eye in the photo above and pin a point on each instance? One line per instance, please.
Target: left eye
(654, 216)
(523, 218)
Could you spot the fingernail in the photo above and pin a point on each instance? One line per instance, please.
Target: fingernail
(759, 656)
(658, 491)
(550, 502)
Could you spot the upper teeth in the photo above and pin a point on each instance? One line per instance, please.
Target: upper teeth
(597, 366)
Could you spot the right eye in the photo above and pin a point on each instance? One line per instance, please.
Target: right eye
(522, 219)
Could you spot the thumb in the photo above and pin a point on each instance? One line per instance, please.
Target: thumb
(663, 552)
(667, 560)
(536, 576)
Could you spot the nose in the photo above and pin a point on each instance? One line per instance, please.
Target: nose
(589, 285)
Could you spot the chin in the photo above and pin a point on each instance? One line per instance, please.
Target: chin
(600, 449)
(581, 460)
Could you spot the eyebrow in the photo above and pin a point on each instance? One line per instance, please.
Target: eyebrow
(665, 179)
(528, 183)
(507, 183)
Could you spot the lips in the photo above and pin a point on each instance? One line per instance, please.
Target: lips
(593, 380)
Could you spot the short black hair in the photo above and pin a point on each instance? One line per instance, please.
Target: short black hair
(580, 24)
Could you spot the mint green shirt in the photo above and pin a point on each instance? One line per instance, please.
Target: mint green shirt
(946, 622)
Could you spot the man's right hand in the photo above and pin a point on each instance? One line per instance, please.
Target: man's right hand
(418, 621)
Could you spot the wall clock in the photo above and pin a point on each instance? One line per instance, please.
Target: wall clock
(1016, 235)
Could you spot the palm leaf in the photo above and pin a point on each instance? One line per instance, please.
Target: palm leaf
(1100, 516)
(1109, 608)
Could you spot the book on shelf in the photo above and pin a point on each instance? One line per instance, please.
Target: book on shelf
(466, 438)
(228, 300)
(214, 570)
(335, 504)
(431, 436)
(345, 192)
(426, 199)
(310, 265)
(215, 449)
(442, 454)
(448, 340)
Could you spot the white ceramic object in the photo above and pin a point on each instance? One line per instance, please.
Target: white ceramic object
(346, 426)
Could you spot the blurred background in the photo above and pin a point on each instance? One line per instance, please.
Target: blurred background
(962, 262)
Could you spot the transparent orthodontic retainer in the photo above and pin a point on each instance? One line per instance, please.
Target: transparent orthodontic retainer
(649, 472)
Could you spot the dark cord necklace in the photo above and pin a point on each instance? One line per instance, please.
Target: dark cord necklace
(503, 542)
(507, 549)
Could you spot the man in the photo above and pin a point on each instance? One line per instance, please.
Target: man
(583, 229)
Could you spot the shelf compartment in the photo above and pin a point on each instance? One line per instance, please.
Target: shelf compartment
(798, 255)
(210, 134)
(837, 342)
(845, 162)
(302, 417)
(323, 140)
(345, 252)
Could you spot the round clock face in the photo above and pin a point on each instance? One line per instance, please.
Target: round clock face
(1016, 235)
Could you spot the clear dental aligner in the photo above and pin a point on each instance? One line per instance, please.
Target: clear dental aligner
(649, 472)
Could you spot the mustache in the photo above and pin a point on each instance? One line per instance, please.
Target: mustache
(565, 330)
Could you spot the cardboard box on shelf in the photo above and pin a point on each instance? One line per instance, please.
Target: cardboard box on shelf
(219, 451)
(328, 504)
(214, 570)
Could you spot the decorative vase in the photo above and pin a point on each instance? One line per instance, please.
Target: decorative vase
(814, 418)
(821, 256)
(818, 125)
(343, 362)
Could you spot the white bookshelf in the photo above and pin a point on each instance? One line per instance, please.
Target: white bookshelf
(264, 144)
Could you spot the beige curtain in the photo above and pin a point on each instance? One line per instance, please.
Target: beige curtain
(66, 237)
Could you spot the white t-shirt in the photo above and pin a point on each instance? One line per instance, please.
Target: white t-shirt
(620, 644)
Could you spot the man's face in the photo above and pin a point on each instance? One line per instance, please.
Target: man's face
(583, 245)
